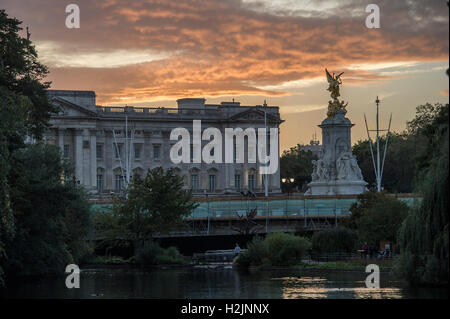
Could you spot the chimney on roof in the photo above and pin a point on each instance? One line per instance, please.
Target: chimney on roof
(233, 103)
(191, 103)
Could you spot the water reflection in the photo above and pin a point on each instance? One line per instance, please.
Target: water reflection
(320, 288)
(216, 283)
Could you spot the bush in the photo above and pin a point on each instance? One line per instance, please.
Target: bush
(153, 254)
(277, 249)
(285, 249)
(254, 255)
(335, 240)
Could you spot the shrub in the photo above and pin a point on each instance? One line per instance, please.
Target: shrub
(254, 255)
(153, 254)
(285, 249)
(277, 249)
(334, 240)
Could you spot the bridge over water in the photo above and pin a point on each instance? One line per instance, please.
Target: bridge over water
(228, 215)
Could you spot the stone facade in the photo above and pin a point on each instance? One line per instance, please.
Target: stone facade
(336, 172)
(84, 132)
(313, 147)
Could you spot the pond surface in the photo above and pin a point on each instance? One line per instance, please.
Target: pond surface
(225, 282)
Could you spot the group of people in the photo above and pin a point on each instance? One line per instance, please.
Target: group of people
(370, 251)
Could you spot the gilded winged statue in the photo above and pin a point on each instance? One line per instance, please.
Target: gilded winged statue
(334, 105)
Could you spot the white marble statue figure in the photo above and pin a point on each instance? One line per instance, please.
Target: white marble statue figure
(355, 167)
(347, 167)
(343, 166)
(320, 170)
(314, 175)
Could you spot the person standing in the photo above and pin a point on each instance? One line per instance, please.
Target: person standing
(365, 250)
(237, 250)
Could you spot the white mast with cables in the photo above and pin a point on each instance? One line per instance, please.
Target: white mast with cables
(378, 167)
(125, 170)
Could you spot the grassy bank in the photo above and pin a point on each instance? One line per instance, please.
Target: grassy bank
(351, 265)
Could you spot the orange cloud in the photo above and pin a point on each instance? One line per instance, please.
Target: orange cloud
(225, 47)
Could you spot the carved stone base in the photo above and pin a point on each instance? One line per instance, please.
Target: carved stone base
(340, 187)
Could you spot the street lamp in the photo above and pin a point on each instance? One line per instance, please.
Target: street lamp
(289, 183)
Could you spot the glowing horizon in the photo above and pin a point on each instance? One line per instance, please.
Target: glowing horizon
(154, 52)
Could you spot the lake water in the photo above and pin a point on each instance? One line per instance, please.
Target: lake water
(217, 283)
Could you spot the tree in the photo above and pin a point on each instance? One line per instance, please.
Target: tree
(424, 235)
(21, 73)
(43, 219)
(155, 204)
(12, 110)
(425, 116)
(376, 217)
(247, 224)
(24, 110)
(296, 163)
(338, 239)
(52, 216)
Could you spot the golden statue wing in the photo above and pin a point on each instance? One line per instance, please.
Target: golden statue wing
(329, 77)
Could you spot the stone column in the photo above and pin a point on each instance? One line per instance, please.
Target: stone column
(109, 156)
(227, 169)
(93, 153)
(61, 140)
(79, 156)
(244, 182)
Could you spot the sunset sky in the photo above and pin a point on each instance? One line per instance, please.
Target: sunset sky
(150, 53)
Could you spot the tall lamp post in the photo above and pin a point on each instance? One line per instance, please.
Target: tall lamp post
(288, 182)
(266, 182)
(207, 202)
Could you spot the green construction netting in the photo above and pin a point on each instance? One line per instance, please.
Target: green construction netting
(274, 207)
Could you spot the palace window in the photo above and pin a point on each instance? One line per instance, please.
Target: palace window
(237, 181)
(194, 182)
(99, 151)
(156, 152)
(119, 182)
(66, 151)
(251, 182)
(99, 182)
(118, 149)
(137, 151)
(212, 182)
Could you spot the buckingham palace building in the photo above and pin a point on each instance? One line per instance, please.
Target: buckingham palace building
(97, 139)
